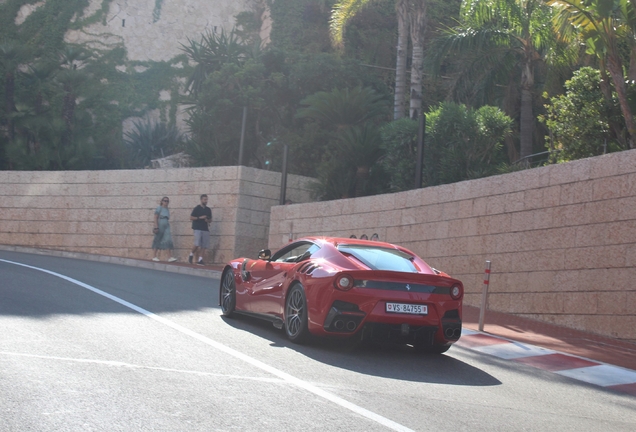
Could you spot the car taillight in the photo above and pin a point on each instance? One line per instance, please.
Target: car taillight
(344, 282)
(456, 292)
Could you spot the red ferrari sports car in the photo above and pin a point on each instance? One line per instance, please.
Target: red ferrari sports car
(344, 287)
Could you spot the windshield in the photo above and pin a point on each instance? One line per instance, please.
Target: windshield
(377, 258)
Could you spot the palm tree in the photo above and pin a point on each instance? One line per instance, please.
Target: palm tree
(24, 119)
(361, 146)
(350, 113)
(500, 42)
(344, 10)
(342, 108)
(603, 25)
(151, 140)
(71, 78)
(212, 52)
(38, 79)
(417, 24)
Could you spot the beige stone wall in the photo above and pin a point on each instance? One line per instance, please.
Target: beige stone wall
(133, 24)
(111, 212)
(561, 238)
(260, 191)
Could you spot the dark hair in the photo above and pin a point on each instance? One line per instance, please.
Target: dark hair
(203, 196)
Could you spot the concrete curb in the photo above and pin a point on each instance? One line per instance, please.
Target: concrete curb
(590, 371)
(151, 265)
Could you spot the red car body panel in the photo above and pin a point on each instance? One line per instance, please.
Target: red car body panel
(262, 285)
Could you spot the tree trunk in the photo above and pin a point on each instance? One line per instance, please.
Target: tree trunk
(616, 129)
(401, 9)
(417, 20)
(362, 174)
(632, 64)
(68, 114)
(526, 121)
(606, 89)
(9, 94)
(37, 105)
(526, 125)
(616, 72)
(416, 80)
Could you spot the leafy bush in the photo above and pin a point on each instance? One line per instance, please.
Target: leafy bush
(462, 143)
(350, 169)
(580, 119)
(399, 140)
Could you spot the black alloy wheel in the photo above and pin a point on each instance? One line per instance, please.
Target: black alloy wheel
(228, 293)
(296, 315)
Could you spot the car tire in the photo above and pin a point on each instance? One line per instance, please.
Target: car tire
(296, 315)
(227, 293)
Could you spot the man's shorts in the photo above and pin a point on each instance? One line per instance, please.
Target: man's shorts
(202, 239)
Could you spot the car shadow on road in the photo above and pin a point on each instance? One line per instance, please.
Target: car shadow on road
(399, 362)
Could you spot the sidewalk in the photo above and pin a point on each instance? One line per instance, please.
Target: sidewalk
(212, 271)
(211, 268)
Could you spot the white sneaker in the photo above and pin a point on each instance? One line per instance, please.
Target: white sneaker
(155, 259)
(172, 259)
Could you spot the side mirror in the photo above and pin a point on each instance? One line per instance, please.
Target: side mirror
(265, 254)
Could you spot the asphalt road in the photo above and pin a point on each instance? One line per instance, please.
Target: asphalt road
(95, 346)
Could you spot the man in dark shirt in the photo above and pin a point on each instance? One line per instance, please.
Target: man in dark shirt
(201, 218)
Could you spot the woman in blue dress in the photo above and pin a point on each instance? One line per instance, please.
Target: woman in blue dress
(163, 237)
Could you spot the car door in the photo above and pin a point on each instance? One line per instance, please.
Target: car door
(246, 287)
(269, 278)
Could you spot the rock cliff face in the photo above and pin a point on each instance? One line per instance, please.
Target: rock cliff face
(154, 29)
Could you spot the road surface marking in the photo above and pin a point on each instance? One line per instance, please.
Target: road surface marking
(513, 350)
(602, 375)
(134, 366)
(237, 354)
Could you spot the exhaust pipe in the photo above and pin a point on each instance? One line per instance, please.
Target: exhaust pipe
(351, 325)
(457, 333)
(339, 324)
(449, 332)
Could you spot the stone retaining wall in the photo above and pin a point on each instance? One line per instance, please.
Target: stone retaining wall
(561, 238)
(111, 212)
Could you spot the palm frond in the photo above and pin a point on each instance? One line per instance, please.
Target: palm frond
(341, 14)
(344, 107)
(150, 140)
(211, 53)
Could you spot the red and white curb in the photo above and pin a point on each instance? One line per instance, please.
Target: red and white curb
(579, 368)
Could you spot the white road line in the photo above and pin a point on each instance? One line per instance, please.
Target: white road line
(513, 350)
(602, 375)
(134, 366)
(239, 355)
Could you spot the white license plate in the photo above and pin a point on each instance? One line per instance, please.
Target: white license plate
(407, 308)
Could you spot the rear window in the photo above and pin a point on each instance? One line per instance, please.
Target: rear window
(377, 258)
